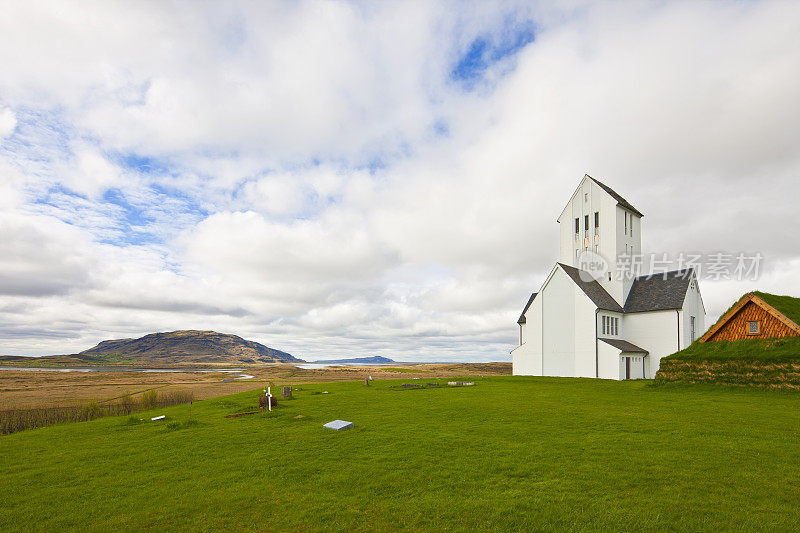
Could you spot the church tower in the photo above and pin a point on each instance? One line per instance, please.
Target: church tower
(598, 229)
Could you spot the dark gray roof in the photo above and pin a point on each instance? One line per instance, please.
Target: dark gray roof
(527, 305)
(625, 346)
(658, 292)
(592, 289)
(620, 200)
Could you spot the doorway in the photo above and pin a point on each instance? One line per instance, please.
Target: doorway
(627, 368)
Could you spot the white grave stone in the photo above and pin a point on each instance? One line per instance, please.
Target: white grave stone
(162, 417)
(338, 425)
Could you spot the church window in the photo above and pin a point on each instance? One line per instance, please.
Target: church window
(577, 225)
(626, 222)
(616, 326)
(596, 222)
(691, 320)
(752, 328)
(586, 197)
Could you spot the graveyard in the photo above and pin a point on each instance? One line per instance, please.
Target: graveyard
(527, 453)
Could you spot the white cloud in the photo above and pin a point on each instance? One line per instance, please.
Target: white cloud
(8, 121)
(311, 175)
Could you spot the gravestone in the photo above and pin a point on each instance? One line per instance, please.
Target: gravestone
(286, 393)
(338, 425)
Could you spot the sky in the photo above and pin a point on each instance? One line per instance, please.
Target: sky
(378, 178)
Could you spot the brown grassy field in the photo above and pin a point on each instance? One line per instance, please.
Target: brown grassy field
(25, 389)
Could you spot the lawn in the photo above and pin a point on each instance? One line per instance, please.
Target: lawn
(508, 453)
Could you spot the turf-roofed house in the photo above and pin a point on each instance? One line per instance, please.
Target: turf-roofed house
(756, 343)
(757, 315)
(588, 321)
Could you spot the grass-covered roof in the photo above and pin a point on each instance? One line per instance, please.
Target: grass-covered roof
(783, 349)
(788, 305)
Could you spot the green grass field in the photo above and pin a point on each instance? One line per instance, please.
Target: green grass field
(508, 453)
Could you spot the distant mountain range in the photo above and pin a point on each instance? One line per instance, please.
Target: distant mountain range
(173, 347)
(374, 360)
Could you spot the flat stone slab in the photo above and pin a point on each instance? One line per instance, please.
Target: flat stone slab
(461, 383)
(338, 425)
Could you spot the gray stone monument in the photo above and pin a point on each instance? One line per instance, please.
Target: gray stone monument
(338, 425)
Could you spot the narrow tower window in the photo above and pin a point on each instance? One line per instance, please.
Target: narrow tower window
(577, 225)
(596, 222)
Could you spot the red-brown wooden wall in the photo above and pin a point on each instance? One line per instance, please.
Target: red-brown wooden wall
(735, 329)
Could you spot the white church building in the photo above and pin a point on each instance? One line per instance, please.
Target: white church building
(588, 321)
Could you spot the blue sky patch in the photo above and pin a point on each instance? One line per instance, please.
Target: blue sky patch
(142, 164)
(486, 50)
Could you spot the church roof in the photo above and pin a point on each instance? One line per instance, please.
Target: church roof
(527, 306)
(620, 200)
(625, 346)
(658, 292)
(592, 289)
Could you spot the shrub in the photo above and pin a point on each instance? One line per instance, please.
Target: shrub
(149, 400)
(13, 420)
(127, 404)
(91, 411)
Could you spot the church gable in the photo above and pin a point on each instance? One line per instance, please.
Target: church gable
(753, 318)
(620, 201)
(591, 288)
(614, 194)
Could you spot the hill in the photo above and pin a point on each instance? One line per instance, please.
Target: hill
(188, 346)
(374, 360)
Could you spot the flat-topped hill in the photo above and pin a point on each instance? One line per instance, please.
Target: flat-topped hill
(187, 346)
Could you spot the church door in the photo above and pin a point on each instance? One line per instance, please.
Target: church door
(627, 368)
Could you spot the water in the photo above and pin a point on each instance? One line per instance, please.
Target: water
(241, 375)
(328, 365)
